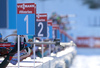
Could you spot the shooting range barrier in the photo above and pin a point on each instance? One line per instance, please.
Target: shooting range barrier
(62, 59)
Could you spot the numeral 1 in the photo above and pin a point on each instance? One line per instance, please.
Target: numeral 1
(26, 19)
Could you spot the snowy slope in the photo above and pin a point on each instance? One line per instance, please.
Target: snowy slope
(87, 58)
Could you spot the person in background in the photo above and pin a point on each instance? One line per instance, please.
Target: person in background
(37, 52)
(54, 17)
(30, 38)
(24, 52)
(57, 19)
(46, 50)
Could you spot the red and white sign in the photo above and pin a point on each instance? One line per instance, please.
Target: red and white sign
(26, 8)
(88, 41)
(35, 9)
(55, 26)
(6, 45)
(49, 22)
(41, 17)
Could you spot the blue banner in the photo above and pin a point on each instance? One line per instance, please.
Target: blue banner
(41, 29)
(8, 14)
(3, 14)
(63, 38)
(12, 12)
(58, 34)
(49, 32)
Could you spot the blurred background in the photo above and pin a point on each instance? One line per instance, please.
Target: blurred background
(84, 27)
(82, 24)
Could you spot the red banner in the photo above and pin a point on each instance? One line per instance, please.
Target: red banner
(88, 41)
(55, 26)
(35, 9)
(49, 22)
(6, 45)
(41, 17)
(26, 8)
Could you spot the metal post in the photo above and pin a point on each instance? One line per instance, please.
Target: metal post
(34, 53)
(42, 53)
(62, 43)
(49, 55)
(49, 50)
(18, 51)
(39, 43)
(53, 34)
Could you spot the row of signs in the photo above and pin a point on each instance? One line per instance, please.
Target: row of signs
(28, 21)
(35, 24)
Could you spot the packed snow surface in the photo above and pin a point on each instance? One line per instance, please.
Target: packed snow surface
(87, 58)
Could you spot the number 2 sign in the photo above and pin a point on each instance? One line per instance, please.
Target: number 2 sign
(26, 18)
(41, 25)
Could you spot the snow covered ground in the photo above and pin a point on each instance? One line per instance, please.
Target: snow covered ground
(87, 58)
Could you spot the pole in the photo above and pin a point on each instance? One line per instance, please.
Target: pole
(39, 43)
(49, 55)
(18, 51)
(42, 53)
(34, 53)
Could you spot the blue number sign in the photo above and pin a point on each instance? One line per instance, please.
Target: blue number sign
(63, 38)
(41, 25)
(49, 29)
(58, 34)
(26, 19)
(55, 31)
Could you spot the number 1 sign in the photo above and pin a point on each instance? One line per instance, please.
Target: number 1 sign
(26, 18)
(41, 25)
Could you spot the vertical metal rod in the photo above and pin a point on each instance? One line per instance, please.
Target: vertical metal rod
(18, 51)
(42, 53)
(49, 50)
(34, 53)
(53, 34)
(49, 55)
